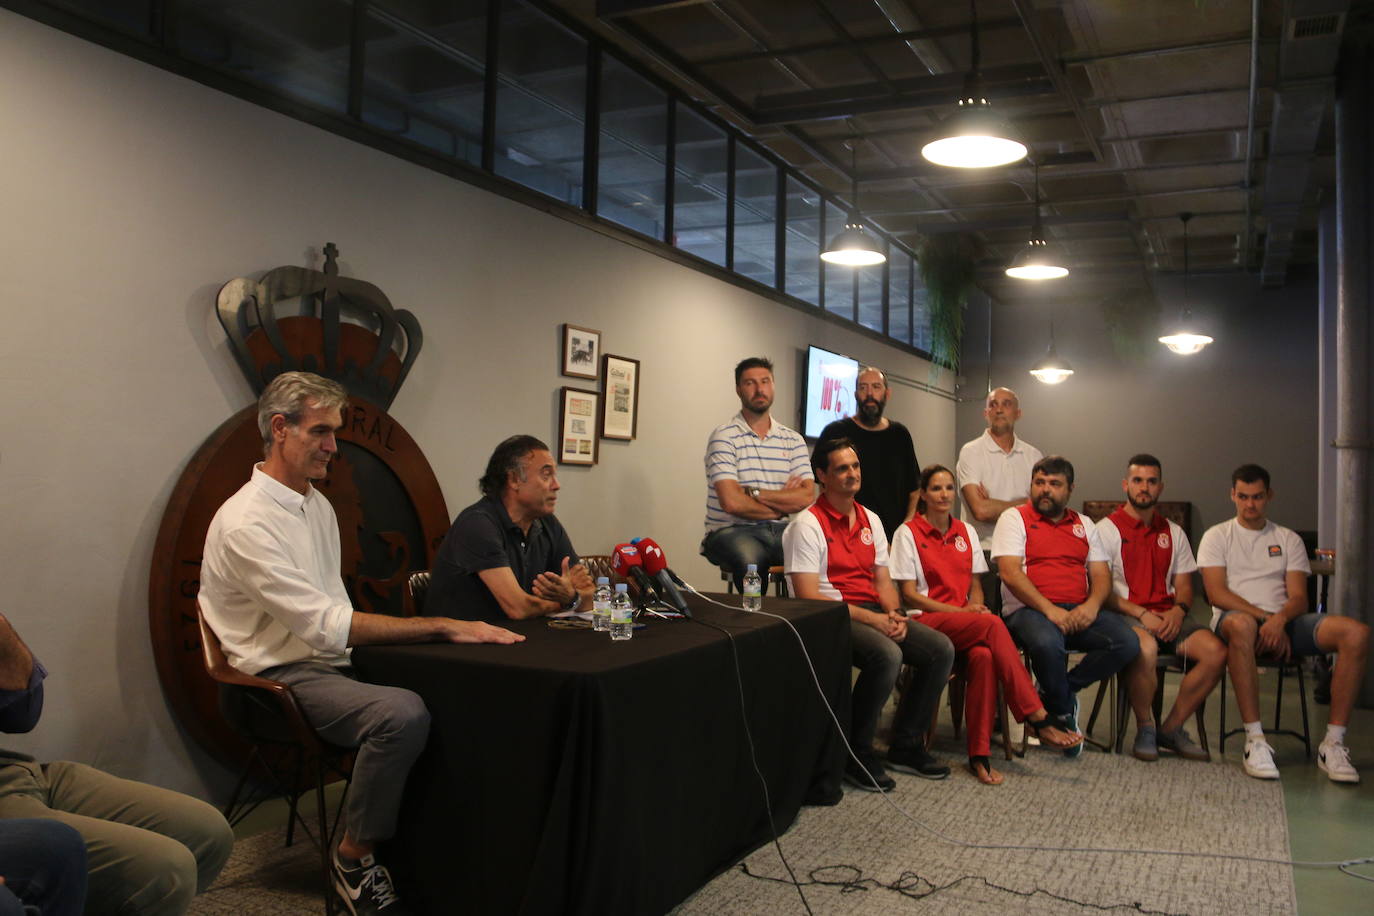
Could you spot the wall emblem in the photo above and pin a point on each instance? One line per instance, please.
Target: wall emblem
(391, 510)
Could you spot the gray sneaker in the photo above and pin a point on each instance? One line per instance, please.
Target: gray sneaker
(1182, 744)
(1145, 747)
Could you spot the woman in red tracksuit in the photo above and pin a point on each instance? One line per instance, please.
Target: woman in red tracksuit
(935, 560)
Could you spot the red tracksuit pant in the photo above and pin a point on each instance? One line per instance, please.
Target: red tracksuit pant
(989, 656)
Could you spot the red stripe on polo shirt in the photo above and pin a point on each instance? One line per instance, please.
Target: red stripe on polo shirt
(1056, 555)
(849, 551)
(1147, 551)
(946, 559)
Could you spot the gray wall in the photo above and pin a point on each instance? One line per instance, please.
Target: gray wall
(1251, 396)
(131, 195)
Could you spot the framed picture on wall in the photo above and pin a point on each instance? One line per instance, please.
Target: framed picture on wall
(577, 416)
(581, 351)
(620, 386)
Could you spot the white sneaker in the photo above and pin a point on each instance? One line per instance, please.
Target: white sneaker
(1259, 759)
(1334, 760)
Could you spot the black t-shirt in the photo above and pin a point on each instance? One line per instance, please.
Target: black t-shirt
(887, 461)
(484, 537)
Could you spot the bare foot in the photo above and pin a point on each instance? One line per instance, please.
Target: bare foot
(1053, 735)
(983, 771)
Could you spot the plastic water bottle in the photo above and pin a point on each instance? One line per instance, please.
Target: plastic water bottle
(753, 589)
(601, 605)
(622, 613)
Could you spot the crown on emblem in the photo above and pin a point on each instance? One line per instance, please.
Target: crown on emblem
(296, 318)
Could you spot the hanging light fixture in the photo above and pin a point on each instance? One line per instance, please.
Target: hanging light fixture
(1052, 368)
(1039, 260)
(975, 136)
(1186, 340)
(853, 247)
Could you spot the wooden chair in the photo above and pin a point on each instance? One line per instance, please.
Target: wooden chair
(265, 713)
(776, 577)
(958, 687)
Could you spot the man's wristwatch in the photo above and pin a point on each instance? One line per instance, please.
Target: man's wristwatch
(752, 492)
(574, 604)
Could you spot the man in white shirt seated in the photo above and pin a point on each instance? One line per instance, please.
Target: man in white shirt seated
(271, 588)
(1255, 574)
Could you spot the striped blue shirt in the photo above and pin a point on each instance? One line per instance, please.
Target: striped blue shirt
(736, 452)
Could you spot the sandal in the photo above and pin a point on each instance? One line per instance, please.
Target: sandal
(1045, 729)
(981, 768)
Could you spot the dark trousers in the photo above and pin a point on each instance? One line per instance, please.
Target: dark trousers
(1108, 643)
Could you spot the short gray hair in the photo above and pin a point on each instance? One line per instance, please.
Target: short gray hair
(286, 395)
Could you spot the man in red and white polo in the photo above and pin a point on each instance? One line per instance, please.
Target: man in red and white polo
(836, 549)
(1055, 578)
(1152, 585)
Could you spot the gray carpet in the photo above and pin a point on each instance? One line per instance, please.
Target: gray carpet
(863, 844)
(857, 851)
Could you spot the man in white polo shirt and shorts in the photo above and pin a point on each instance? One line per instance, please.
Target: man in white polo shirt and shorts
(1255, 574)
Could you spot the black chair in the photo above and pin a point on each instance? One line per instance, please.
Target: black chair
(1284, 668)
(776, 577)
(284, 748)
(1164, 664)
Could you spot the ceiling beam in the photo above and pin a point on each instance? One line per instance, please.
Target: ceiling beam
(816, 47)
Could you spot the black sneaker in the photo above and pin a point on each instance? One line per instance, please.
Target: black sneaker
(914, 759)
(366, 888)
(871, 777)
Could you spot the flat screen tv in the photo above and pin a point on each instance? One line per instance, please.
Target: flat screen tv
(829, 394)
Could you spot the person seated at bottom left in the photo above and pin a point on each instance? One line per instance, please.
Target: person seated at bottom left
(507, 557)
(836, 549)
(937, 561)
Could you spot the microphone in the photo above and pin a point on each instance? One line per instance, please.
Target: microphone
(628, 564)
(656, 567)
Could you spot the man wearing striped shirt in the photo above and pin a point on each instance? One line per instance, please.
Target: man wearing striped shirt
(758, 473)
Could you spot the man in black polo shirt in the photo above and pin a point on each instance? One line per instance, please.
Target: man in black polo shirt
(507, 557)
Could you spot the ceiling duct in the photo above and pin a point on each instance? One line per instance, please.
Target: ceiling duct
(1307, 61)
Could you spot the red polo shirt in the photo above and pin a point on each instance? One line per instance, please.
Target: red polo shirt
(850, 556)
(1057, 555)
(1147, 553)
(946, 559)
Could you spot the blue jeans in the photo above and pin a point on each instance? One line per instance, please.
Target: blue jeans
(1108, 643)
(734, 547)
(878, 658)
(44, 866)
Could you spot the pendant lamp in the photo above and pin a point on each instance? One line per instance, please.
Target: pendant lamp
(1052, 368)
(975, 136)
(1038, 260)
(1187, 340)
(853, 247)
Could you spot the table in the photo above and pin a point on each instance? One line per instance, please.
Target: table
(573, 774)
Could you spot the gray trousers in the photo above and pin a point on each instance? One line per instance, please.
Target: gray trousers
(879, 658)
(388, 726)
(149, 850)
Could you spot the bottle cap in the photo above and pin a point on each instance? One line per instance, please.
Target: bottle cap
(621, 586)
(603, 580)
(753, 568)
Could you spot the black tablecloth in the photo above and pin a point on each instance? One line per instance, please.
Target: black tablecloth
(573, 774)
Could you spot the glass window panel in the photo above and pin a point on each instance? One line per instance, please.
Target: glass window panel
(839, 280)
(699, 188)
(871, 295)
(633, 155)
(756, 216)
(426, 84)
(899, 295)
(132, 16)
(803, 214)
(297, 49)
(540, 103)
(920, 331)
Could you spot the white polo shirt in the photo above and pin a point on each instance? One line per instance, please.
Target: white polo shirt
(1257, 563)
(1005, 475)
